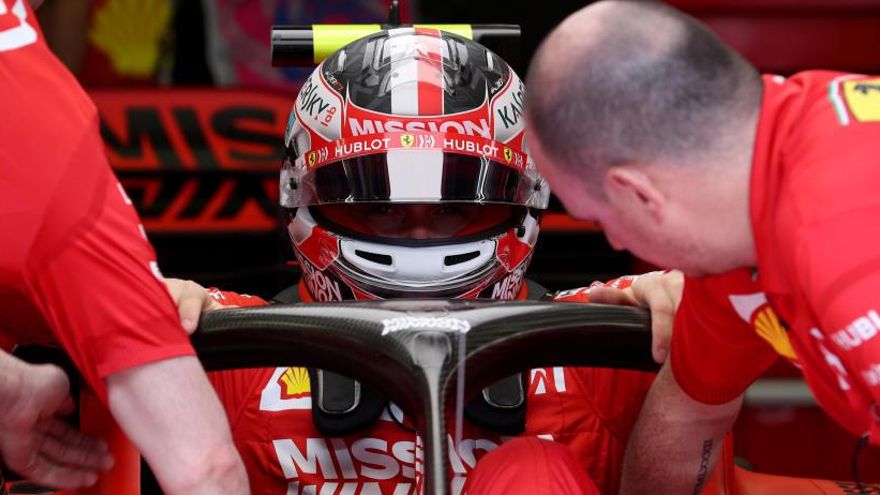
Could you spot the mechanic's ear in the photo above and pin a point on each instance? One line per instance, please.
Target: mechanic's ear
(630, 187)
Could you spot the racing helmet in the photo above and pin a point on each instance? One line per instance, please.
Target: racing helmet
(405, 172)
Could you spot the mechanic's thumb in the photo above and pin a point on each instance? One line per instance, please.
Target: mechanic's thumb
(661, 338)
(660, 353)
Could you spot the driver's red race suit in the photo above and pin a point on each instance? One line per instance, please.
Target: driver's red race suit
(589, 410)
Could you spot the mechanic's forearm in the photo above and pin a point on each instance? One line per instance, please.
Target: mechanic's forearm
(676, 441)
(169, 411)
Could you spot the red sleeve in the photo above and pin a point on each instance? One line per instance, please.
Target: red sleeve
(73, 258)
(715, 354)
(100, 294)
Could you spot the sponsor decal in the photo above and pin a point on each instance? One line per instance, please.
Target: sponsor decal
(871, 375)
(859, 331)
(832, 360)
(319, 108)
(507, 110)
(294, 383)
(497, 85)
(287, 390)
(342, 149)
(863, 99)
(547, 380)
(371, 465)
(376, 126)
(168, 146)
(756, 311)
(768, 326)
(315, 103)
(199, 130)
(321, 286)
(507, 288)
(435, 322)
(217, 295)
(348, 148)
(361, 122)
(15, 30)
(510, 112)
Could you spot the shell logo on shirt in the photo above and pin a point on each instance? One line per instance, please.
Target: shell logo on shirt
(767, 325)
(287, 390)
(754, 310)
(294, 383)
(15, 30)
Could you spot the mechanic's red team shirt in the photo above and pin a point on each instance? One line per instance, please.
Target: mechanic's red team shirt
(590, 410)
(75, 266)
(815, 297)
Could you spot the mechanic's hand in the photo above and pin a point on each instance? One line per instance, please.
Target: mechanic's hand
(40, 446)
(658, 291)
(192, 300)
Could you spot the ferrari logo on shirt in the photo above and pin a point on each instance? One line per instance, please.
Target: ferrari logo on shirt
(508, 154)
(863, 99)
(311, 158)
(407, 140)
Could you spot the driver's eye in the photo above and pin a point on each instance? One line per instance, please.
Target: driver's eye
(381, 210)
(448, 210)
(384, 220)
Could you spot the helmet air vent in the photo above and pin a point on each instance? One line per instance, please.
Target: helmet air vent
(382, 259)
(457, 259)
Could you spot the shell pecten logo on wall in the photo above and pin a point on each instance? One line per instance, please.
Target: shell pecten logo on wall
(130, 34)
(294, 383)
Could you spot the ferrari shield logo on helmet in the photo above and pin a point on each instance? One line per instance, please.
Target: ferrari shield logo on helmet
(407, 140)
(508, 154)
(311, 158)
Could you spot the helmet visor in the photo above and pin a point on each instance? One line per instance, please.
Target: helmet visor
(418, 221)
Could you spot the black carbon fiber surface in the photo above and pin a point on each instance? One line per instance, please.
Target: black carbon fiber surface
(409, 349)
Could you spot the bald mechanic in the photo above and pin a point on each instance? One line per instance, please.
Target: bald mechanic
(75, 271)
(762, 190)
